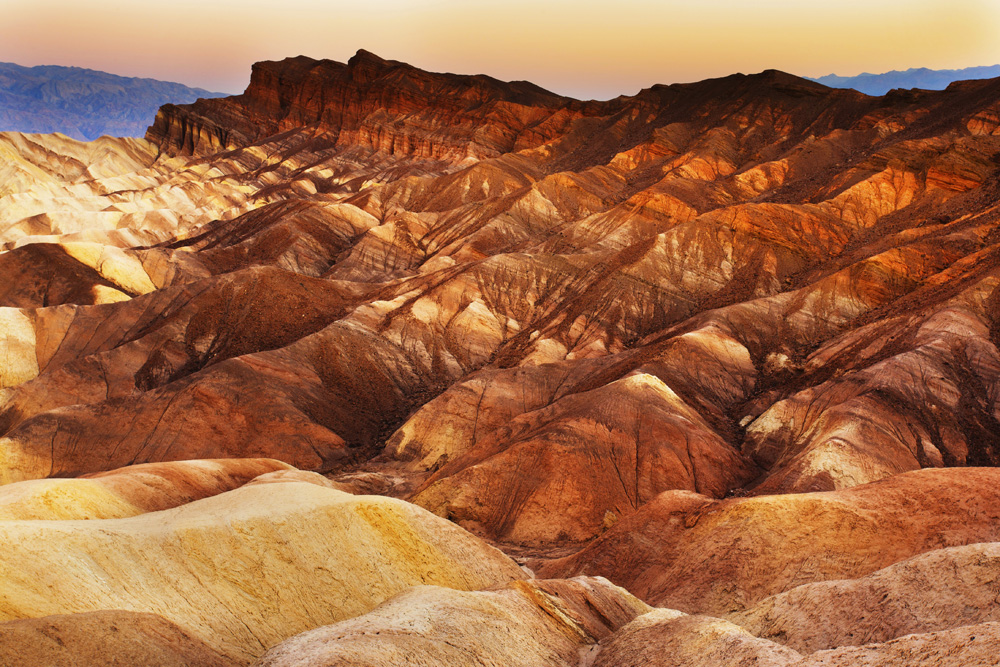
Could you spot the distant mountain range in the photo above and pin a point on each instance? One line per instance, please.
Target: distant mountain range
(84, 103)
(916, 77)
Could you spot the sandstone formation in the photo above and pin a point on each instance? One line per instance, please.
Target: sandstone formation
(242, 570)
(523, 268)
(971, 645)
(668, 637)
(595, 454)
(551, 623)
(585, 621)
(357, 103)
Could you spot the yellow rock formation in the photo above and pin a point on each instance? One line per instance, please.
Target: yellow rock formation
(245, 569)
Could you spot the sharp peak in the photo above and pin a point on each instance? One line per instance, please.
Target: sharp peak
(362, 57)
(365, 66)
(366, 57)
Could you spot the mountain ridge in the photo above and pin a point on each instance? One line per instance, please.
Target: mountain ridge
(83, 103)
(332, 96)
(915, 77)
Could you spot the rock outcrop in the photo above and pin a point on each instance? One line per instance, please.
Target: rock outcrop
(699, 555)
(938, 590)
(971, 645)
(529, 623)
(531, 270)
(382, 105)
(666, 638)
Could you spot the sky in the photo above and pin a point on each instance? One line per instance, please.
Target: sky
(582, 48)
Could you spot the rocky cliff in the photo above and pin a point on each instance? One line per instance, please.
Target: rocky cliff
(371, 103)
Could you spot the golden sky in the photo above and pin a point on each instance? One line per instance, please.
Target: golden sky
(583, 48)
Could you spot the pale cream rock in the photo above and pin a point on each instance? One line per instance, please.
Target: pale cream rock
(18, 360)
(246, 569)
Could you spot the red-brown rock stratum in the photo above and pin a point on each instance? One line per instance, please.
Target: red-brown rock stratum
(728, 348)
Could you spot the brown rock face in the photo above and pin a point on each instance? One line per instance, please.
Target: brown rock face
(668, 637)
(665, 638)
(972, 645)
(939, 590)
(377, 104)
(700, 555)
(590, 458)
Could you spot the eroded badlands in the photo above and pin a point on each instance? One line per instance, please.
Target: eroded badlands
(371, 365)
